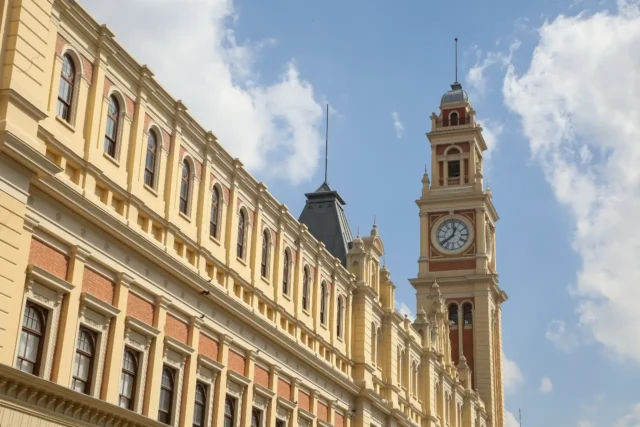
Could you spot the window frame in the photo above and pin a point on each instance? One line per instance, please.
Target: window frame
(150, 174)
(185, 188)
(202, 404)
(256, 414)
(467, 321)
(230, 402)
(72, 82)
(305, 288)
(323, 303)
(43, 314)
(137, 357)
(241, 235)
(286, 272)
(163, 389)
(89, 382)
(340, 317)
(112, 140)
(214, 213)
(264, 257)
(450, 308)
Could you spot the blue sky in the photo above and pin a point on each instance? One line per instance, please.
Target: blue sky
(556, 85)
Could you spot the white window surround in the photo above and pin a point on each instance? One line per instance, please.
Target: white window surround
(175, 356)
(261, 398)
(95, 315)
(236, 385)
(284, 409)
(304, 415)
(206, 373)
(45, 290)
(138, 337)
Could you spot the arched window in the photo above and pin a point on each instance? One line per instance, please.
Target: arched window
(83, 367)
(185, 187)
(453, 314)
(34, 325)
(199, 405)
(229, 412)
(167, 386)
(213, 216)
(323, 303)
(467, 313)
(241, 233)
(65, 91)
(400, 364)
(150, 159)
(255, 418)
(111, 132)
(264, 262)
(305, 289)
(286, 272)
(414, 378)
(340, 314)
(128, 378)
(454, 119)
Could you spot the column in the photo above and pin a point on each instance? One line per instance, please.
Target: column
(137, 143)
(231, 235)
(221, 384)
(115, 344)
(190, 373)
(247, 396)
(156, 354)
(272, 410)
(63, 358)
(295, 386)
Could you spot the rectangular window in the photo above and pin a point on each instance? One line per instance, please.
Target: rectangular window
(83, 365)
(34, 326)
(454, 169)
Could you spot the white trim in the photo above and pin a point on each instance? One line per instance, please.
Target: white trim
(98, 305)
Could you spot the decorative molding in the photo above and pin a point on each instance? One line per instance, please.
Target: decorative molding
(306, 415)
(175, 345)
(263, 391)
(141, 327)
(238, 378)
(209, 363)
(89, 301)
(37, 274)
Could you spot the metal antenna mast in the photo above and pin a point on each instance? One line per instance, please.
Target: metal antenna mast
(326, 148)
(456, 60)
(520, 416)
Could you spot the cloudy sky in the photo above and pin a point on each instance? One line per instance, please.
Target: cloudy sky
(557, 87)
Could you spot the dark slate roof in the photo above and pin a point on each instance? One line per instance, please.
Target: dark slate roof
(456, 94)
(324, 215)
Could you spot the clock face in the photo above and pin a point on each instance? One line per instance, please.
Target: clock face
(453, 234)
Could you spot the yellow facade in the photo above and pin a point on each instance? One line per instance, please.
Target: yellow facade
(125, 302)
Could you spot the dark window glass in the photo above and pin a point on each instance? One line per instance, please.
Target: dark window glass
(150, 160)
(128, 378)
(185, 184)
(111, 133)
(285, 273)
(229, 412)
(213, 218)
(241, 233)
(454, 169)
(340, 316)
(265, 254)
(453, 314)
(255, 418)
(65, 91)
(454, 119)
(165, 408)
(305, 289)
(199, 405)
(34, 324)
(280, 423)
(467, 314)
(83, 367)
(323, 302)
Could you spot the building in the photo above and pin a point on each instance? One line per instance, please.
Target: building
(147, 279)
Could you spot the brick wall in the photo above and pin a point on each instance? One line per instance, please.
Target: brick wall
(322, 412)
(236, 362)
(303, 400)
(49, 259)
(97, 285)
(140, 309)
(177, 329)
(339, 421)
(261, 376)
(284, 389)
(208, 347)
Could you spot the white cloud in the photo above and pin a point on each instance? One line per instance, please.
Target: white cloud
(491, 131)
(405, 310)
(546, 386)
(190, 45)
(632, 419)
(561, 337)
(512, 375)
(578, 102)
(476, 76)
(510, 420)
(397, 125)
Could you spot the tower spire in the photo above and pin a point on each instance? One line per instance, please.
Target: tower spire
(456, 42)
(326, 148)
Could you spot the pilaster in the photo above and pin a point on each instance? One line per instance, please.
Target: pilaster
(247, 396)
(156, 353)
(221, 385)
(190, 373)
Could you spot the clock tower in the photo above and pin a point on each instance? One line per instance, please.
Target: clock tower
(457, 246)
